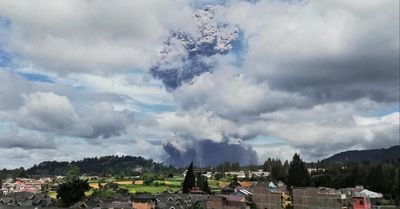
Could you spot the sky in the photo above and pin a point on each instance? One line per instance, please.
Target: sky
(204, 81)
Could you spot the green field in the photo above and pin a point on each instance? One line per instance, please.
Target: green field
(152, 189)
(156, 187)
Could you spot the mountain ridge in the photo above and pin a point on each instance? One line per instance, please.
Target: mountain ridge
(373, 156)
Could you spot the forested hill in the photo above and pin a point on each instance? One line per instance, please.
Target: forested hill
(373, 156)
(116, 165)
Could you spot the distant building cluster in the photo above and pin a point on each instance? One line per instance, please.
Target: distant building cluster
(326, 198)
(243, 174)
(25, 193)
(25, 200)
(238, 174)
(23, 185)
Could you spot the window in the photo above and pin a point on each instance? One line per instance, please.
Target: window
(361, 202)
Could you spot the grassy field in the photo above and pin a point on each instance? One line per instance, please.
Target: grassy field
(157, 187)
(152, 189)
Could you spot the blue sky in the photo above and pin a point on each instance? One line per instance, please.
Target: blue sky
(268, 78)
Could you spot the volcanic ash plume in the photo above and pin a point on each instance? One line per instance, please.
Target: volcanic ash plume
(208, 153)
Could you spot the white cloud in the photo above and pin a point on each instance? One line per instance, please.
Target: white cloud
(327, 129)
(55, 114)
(67, 36)
(196, 125)
(233, 96)
(330, 50)
(46, 111)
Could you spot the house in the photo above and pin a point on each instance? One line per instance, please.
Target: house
(43, 202)
(23, 185)
(26, 199)
(318, 198)
(242, 191)
(144, 201)
(371, 194)
(227, 190)
(227, 202)
(266, 197)
(116, 205)
(361, 201)
(6, 200)
(86, 204)
(196, 190)
(259, 173)
(239, 174)
(181, 201)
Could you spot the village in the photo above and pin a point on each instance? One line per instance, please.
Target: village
(239, 193)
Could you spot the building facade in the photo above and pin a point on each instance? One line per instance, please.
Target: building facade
(227, 202)
(265, 198)
(316, 198)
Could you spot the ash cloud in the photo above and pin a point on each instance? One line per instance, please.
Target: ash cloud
(209, 153)
(187, 55)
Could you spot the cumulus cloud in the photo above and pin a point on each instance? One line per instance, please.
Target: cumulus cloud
(233, 96)
(60, 110)
(330, 128)
(48, 112)
(26, 140)
(105, 122)
(76, 36)
(325, 51)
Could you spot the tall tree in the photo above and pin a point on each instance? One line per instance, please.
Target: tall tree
(277, 171)
(377, 180)
(267, 165)
(355, 176)
(72, 173)
(1, 178)
(190, 180)
(286, 166)
(200, 181)
(298, 174)
(72, 191)
(206, 188)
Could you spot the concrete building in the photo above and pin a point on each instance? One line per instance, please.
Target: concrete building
(318, 198)
(267, 197)
(227, 202)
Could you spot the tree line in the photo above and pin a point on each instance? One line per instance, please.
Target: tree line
(383, 177)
